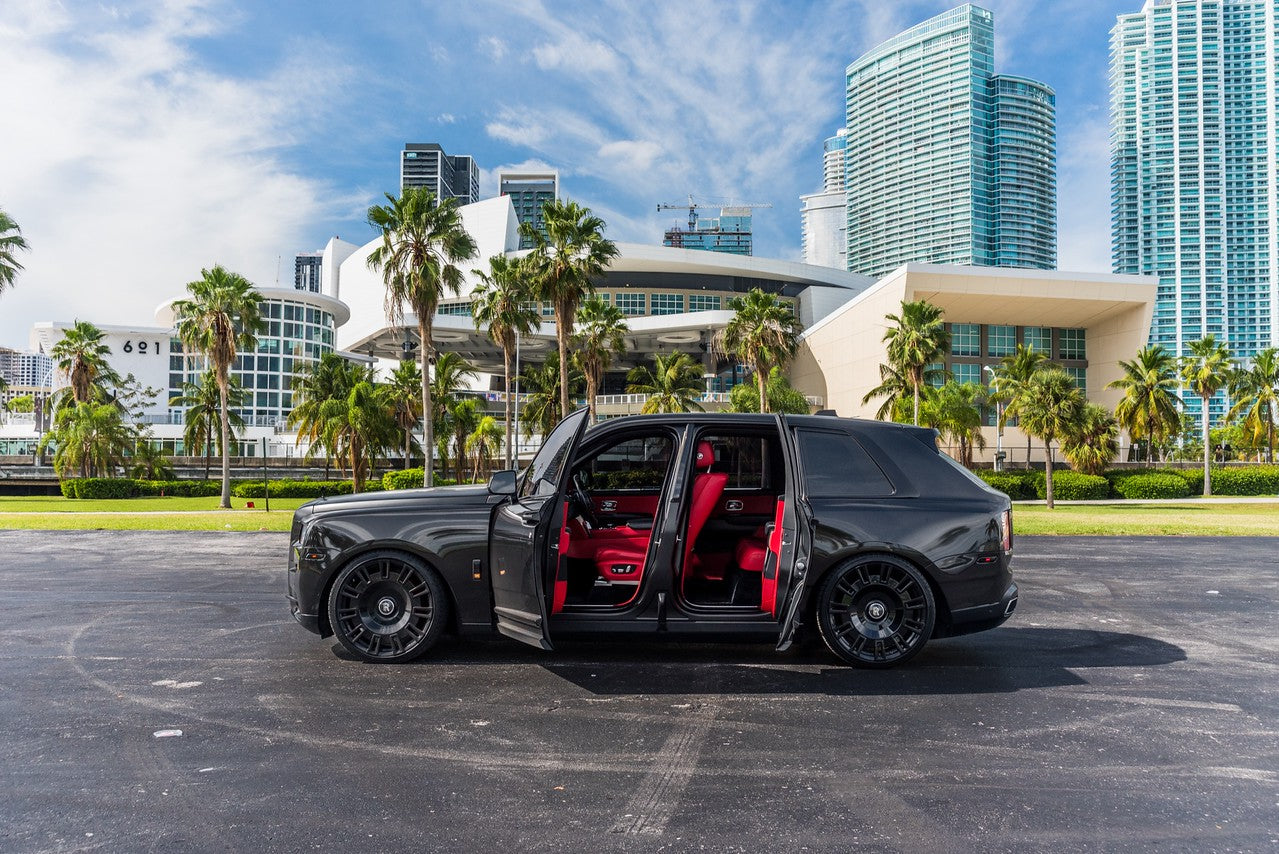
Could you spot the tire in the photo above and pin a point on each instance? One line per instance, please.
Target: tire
(387, 606)
(876, 611)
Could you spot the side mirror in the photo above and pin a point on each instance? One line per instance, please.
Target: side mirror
(503, 482)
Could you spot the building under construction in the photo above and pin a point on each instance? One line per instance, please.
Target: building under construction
(729, 232)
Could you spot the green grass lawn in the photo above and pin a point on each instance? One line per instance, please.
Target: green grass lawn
(1120, 519)
(201, 514)
(48, 512)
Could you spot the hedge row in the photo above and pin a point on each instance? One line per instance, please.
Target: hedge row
(301, 488)
(1134, 483)
(411, 479)
(122, 487)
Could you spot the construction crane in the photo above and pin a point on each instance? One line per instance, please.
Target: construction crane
(692, 205)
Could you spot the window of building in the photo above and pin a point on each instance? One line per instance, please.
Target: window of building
(703, 302)
(1001, 340)
(966, 372)
(1038, 337)
(1071, 344)
(668, 304)
(1079, 375)
(965, 339)
(632, 304)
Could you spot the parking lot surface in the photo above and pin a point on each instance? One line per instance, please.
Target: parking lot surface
(156, 696)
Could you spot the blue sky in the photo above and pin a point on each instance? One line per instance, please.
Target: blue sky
(148, 140)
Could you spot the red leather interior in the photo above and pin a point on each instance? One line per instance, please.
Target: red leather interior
(768, 585)
(619, 504)
(708, 486)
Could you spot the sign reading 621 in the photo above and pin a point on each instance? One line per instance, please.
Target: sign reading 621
(142, 347)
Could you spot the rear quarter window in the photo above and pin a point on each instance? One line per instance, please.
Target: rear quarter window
(837, 466)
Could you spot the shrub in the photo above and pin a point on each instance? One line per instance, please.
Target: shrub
(411, 479)
(180, 488)
(105, 487)
(292, 488)
(1073, 486)
(1017, 485)
(1253, 480)
(1152, 485)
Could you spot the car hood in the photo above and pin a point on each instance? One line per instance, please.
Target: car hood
(441, 496)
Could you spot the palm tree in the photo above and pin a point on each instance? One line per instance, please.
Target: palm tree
(463, 416)
(202, 402)
(148, 462)
(331, 378)
(421, 247)
(1148, 409)
(1092, 442)
(782, 396)
(600, 335)
(92, 438)
(954, 411)
(482, 442)
(11, 241)
(1051, 407)
(501, 303)
(452, 373)
(567, 259)
(896, 389)
(82, 357)
(404, 395)
(1256, 394)
(763, 332)
(359, 427)
(1012, 377)
(541, 386)
(673, 385)
(917, 340)
(222, 316)
(1206, 368)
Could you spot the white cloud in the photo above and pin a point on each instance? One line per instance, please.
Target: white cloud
(493, 47)
(130, 166)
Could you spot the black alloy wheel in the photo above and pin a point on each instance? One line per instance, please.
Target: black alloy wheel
(388, 607)
(876, 611)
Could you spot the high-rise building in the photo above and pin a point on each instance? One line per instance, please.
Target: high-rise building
(24, 373)
(528, 192)
(824, 215)
(1194, 164)
(307, 268)
(729, 232)
(424, 164)
(946, 161)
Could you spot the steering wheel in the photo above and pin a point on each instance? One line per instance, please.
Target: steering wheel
(586, 507)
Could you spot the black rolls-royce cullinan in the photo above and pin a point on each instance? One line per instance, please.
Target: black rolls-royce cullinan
(692, 527)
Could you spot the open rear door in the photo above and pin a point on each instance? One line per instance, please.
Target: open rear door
(519, 544)
(790, 544)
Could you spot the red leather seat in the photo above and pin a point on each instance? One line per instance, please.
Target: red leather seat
(625, 562)
(751, 553)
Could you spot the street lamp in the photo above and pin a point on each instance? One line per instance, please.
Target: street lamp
(999, 419)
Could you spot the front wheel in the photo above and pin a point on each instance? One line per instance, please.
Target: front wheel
(876, 611)
(387, 607)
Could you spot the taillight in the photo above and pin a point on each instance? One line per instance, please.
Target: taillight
(1006, 531)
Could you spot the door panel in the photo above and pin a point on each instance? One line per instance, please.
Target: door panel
(519, 537)
(794, 535)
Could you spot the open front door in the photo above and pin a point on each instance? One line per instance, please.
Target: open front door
(519, 545)
(790, 544)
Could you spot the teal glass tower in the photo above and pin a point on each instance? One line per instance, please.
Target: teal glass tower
(946, 161)
(1193, 169)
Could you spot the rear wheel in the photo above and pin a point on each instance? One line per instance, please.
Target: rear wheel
(387, 606)
(876, 611)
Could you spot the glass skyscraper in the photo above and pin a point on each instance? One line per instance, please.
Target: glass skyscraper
(1193, 168)
(946, 161)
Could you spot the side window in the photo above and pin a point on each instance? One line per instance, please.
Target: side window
(542, 478)
(751, 462)
(637, 462)
(836, 466)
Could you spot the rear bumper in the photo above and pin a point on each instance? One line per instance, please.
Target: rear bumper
(982, 617)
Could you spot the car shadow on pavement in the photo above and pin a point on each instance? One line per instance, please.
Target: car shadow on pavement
(1000, 661)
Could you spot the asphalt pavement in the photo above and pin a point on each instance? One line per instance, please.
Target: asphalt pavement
(155, 695)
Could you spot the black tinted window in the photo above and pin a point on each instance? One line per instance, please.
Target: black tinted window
(543, 476)
(836, 466)
(639, 462)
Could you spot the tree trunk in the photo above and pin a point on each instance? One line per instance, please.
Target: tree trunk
(506, 371)
(225, 503)
(1048, 472)
(428, 425)
(1207, 448)
(592, 388)
(208, 452)
(915, 386)
(562, 331)
(357, 481)
(762, 381)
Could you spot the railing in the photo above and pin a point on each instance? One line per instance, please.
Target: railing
(704, 397)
